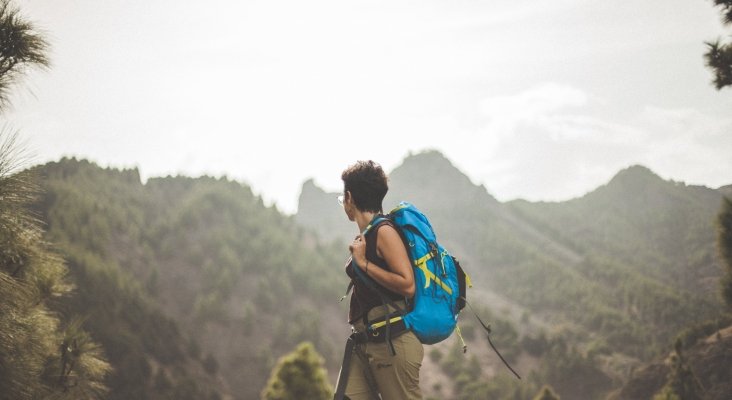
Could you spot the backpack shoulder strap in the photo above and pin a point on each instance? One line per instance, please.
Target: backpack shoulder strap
(375, 223)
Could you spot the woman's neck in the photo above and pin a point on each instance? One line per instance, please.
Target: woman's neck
(363, 219)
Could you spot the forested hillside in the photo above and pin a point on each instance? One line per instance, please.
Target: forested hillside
(615, 275)
(192, 286)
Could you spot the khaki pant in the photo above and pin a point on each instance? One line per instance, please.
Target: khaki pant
(397, 377)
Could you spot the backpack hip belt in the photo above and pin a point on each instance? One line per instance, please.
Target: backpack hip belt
(376, 332)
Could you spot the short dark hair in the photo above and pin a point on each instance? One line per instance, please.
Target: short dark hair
(367, 183)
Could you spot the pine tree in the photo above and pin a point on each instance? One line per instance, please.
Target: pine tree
(40, 358)
(21, 48)
(719, 55)
(299, 375)
(682, 384)
(724, 245)
(546, 393)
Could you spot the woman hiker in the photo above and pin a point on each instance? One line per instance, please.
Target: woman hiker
(386, 361)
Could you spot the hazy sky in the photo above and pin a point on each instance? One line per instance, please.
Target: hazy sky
(538, 99)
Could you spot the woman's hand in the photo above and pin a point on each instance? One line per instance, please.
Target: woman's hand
(399, 278)
(358, 251)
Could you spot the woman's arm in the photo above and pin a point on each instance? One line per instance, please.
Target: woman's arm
(389, 246)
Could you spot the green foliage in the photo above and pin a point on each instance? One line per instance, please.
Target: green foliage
(80, 360)
(535, 345)
(21, 47)
(467, 330)
(681, 384)
(133, 332)
(460, 365)
(667, 393)
(719, 59)
(624, 271)
(210, 364)
(630, 261)
(693, 333)
(99, 240)
(567, 369)
(435, 355)
(205, 253)
(724, 246)
(498, 387)
(640, 265)
(546, 393)
(299, 375)
(39, 358)
(27, 342)
(719, 55)
(726, 6)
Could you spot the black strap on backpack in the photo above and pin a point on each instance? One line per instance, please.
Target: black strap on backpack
(378, 289)
(345, 369)
(385, 302)
(487, 329)
(462, 301)
(351, 348)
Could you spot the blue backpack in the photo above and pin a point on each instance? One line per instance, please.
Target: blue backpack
(440, 286)
(440, 282)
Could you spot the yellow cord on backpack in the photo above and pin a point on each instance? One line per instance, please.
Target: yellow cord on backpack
(429, 276)
(460, 335)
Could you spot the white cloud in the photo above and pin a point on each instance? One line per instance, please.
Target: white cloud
(688, 145)
(536, 106)
(275, 92)
(546, 143)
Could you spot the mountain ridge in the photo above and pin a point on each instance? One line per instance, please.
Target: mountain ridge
(586, 288)
(187, 264)
(636, 254)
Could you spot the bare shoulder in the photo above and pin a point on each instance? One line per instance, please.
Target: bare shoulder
(390, 247)
(388, 231)
(387, 237)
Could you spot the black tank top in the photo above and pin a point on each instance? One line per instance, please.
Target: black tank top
(363, 298)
